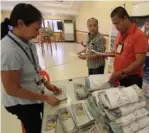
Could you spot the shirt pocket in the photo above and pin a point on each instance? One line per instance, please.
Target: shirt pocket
(128, 49)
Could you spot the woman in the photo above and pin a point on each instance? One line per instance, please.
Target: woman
(22, 83)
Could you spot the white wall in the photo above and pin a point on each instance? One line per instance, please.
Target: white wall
(5, 14)
(140, 9)
(100, 10)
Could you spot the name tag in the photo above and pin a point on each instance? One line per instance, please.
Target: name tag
(119, 48)
(40, 82)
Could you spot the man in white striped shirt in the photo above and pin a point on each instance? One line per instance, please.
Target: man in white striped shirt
(96, 42)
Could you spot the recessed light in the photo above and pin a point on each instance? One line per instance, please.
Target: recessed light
(53, 13)
(137, 6)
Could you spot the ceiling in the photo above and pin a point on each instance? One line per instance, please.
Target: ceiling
(54, 7)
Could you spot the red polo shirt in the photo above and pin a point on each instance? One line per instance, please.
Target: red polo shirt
(134, 42)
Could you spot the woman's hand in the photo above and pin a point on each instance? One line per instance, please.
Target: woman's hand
(52, 100)
(53, 88)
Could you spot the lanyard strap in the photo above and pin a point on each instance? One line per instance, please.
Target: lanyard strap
(34, 61)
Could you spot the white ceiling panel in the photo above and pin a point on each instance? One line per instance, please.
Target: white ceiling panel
(47, 7)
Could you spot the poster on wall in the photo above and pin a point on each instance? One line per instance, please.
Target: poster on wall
(143, 23)
(113, 35)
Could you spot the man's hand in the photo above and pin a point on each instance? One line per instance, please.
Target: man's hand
(53, 88)
(79, 53)
(115, 77)
(83, 56)
(83, 51)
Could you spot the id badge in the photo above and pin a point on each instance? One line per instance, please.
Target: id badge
(39, 79)
(119, 48)
(40, 83)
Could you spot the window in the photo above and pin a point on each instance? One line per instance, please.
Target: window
(48, 24)
(53, 25)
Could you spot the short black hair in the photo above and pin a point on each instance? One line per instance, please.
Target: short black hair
(120, 12)
(25, 12)
(92, 19)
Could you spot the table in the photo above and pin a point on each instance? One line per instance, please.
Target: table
(70, 92)
(70, 95)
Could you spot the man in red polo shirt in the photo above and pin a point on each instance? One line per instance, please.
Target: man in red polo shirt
(130, 49)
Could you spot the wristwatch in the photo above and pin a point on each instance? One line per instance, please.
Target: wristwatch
(123, 73)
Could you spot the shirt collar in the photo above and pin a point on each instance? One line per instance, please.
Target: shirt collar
(23, 44)
(89, 35)
(132, 28)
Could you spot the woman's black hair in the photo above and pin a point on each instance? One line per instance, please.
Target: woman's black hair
(25, 12)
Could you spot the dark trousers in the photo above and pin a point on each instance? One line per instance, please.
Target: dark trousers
(99, 70)
(30, 116)
(131, 80)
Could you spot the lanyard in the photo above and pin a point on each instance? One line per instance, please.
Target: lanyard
(34, 61)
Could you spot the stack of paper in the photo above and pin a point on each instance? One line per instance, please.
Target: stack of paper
(136, 115)
(67, 120)
(83, 118)
(80, 91)
(136, 125)
(51, 123)
(144, 130)
(115, 97)
(125, 107)
(100, 81)
(124, 110)
(96, 129)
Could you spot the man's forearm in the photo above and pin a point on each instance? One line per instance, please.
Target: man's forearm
(92, 56)
(133, 67)
(108, 54)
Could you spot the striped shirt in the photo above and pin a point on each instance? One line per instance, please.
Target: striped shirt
(96, 43)
(13, 58)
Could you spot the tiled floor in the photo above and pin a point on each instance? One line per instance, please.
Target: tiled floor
(62, 65)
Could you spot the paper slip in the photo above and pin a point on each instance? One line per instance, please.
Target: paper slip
(100, 78)
(61, 96)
